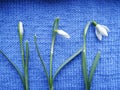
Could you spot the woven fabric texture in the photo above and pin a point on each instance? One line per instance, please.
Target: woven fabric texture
(37, 17)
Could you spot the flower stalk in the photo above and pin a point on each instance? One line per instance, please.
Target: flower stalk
(88, 78)
(84, 63)
(50, 76)
(26, 66)
(55, 27)
(24, 61)
(24, 77)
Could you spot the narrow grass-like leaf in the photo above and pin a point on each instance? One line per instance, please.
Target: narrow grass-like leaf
(84, 69)
(42, 62)
(26, 66)
(93, 68)
(16, 68)
(67, 61)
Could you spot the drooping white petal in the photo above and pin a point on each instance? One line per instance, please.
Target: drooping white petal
(21, 28)
(63, 33)
(102, 30)
(99, 36)
(108, 30)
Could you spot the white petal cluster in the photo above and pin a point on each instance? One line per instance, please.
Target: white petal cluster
(101, 30)
(21, 28)
(63, 33)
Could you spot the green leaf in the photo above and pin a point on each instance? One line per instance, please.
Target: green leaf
(67, 61)
(42, 62)
(26, 66)
(93, 68)
(16, 68)
(27, 54)
(84, 69)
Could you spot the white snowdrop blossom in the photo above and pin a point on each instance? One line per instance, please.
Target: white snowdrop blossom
(100, 30)
(21, 28)
(63, 33)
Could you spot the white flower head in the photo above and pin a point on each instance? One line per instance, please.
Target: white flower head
(21, 28)
(101, 30)
(63, 33)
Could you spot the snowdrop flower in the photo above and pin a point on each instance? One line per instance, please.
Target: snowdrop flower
(100, 30)
(63, 33)
(20, 27)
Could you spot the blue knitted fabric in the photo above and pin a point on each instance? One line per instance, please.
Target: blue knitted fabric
(37, 17)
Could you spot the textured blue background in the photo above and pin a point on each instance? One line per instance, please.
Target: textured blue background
(37, 17)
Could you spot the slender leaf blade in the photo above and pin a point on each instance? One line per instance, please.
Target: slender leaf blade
(84, 69)
(93, 68)
(42, 62)
(16, 68)
(67, 61)
(26, 66)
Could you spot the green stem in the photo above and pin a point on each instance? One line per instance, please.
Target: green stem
(51, 54)
(84, 69)
(22, 53)
(26, 66)
(67, 61)
(84, 63)
(55, 27)
(50, 83)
